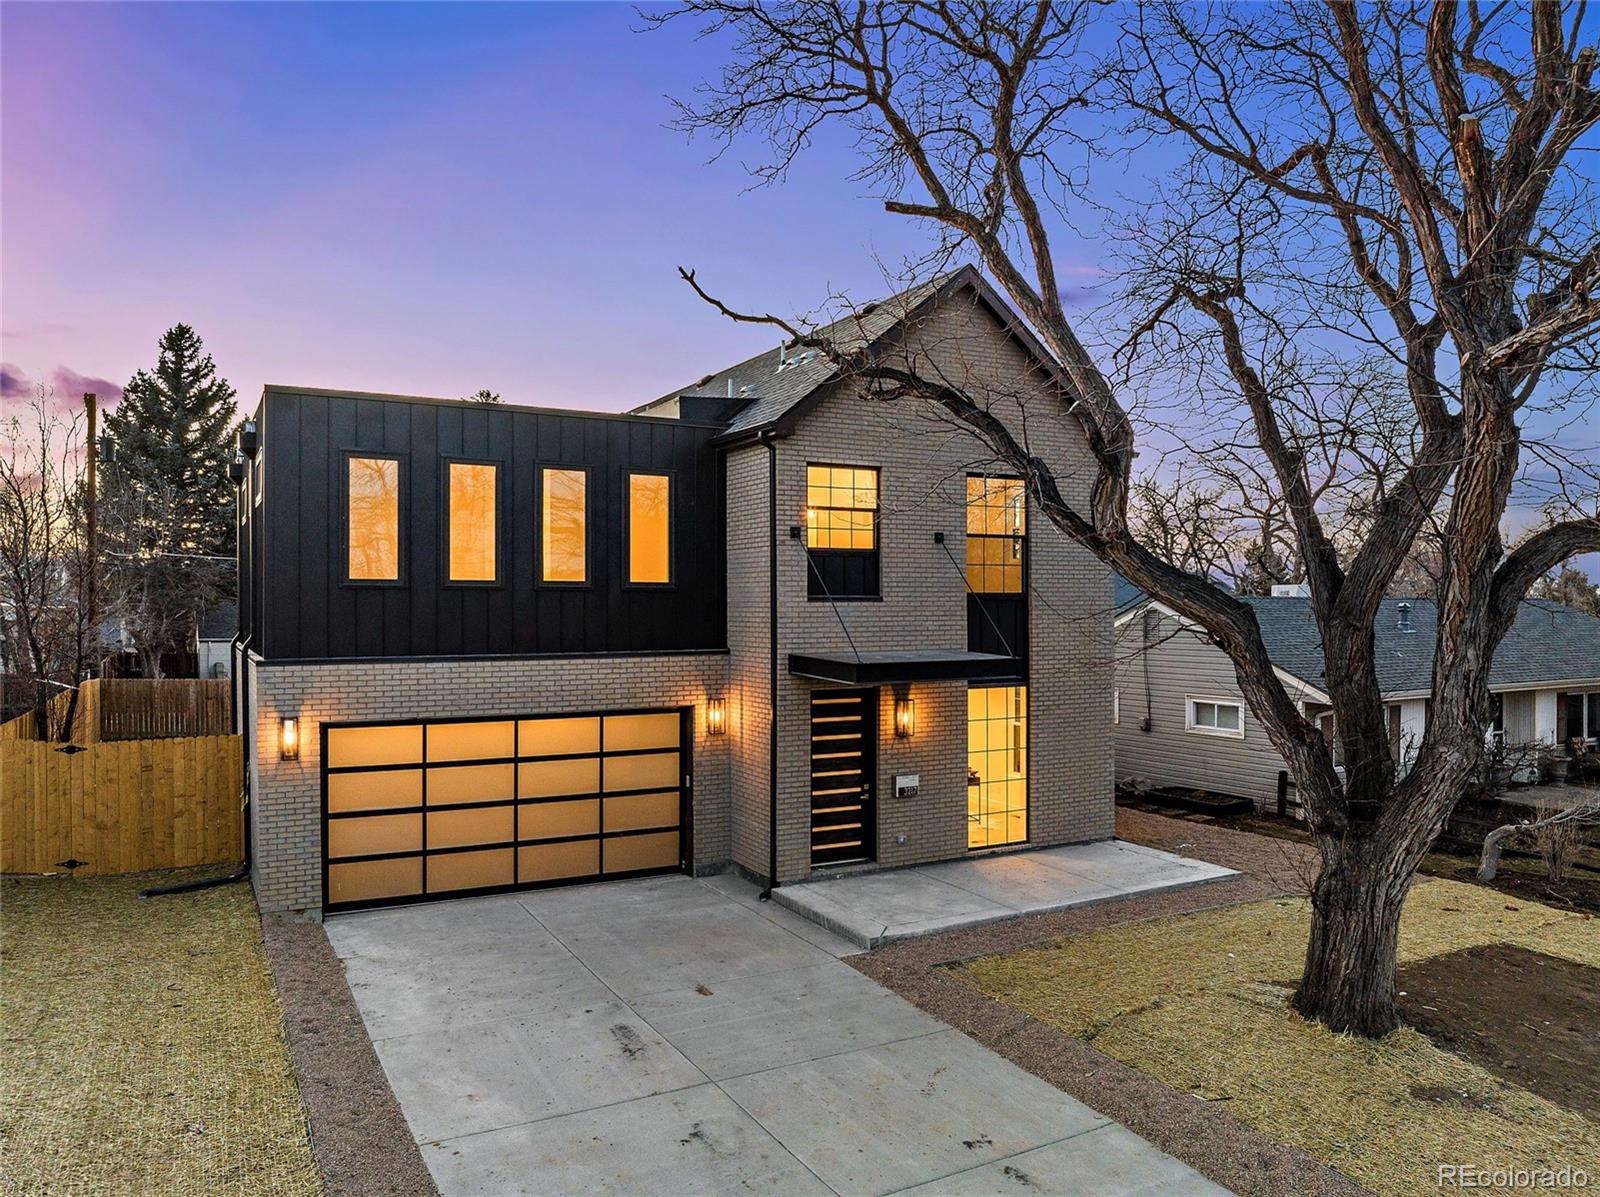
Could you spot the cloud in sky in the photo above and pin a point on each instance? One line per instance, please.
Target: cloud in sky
(67, 386)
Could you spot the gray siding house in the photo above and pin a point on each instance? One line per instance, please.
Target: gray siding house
(1180, 719)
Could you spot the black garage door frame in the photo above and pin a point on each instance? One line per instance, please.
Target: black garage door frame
(685, 804)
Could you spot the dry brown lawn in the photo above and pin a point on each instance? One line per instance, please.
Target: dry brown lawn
(1199, 1002)
(143, 1047)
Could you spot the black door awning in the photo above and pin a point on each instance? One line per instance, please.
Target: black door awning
(903, 665)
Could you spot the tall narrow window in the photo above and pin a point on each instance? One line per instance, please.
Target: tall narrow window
(649, 528)
(997, 765)
(841, 531)
(564, 526)
(997, 514)
(372, 519)
(473, 522)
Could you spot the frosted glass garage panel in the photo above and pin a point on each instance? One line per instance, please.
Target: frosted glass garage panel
(625, 853)
(470, 870)
(374, 835)
(558, 737)
(553, 820)
(549, 779)
(637, 811)
(390, 745)
(470, 741)
(471, 783)
(372, 880)
(655, 770)
(554, 862)
(628, 732)
(373, 791)
(477, 825)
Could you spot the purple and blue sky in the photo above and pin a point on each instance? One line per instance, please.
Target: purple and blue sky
(424, 199)
(419, 198)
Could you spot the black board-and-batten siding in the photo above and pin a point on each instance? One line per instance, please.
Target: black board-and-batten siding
(308, 611)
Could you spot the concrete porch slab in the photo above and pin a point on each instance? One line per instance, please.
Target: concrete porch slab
(876, 908)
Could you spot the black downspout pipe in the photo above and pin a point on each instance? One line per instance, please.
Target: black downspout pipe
(772, 634)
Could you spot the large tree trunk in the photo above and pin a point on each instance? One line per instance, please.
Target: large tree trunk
(1349, 979)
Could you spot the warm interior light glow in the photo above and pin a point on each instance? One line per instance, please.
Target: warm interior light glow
(716, 716)
(905, 716)
(373, 517)
(472, 514)
(289, 738)
(563, 526)
(649, 531)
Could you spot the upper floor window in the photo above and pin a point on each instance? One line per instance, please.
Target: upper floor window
(472, 521)
(997, 515)
(842, 531)
(563, 525)
(372, 519)
(649, 529)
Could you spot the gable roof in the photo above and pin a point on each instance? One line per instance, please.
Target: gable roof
(778, 397)
(1547, 643)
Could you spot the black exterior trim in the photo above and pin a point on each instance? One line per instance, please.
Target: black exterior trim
(888, 668)
(499, 579)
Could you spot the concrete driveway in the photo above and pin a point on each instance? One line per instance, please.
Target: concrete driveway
(675, 1036)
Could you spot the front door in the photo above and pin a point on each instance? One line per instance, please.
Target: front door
(844, 741)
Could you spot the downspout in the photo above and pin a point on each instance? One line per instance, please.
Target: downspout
(772, 644)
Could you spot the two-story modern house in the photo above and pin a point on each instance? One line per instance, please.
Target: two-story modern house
(767, 622)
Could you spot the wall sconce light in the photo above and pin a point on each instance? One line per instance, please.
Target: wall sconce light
(717, 716)
(289, 739)
(905, 713)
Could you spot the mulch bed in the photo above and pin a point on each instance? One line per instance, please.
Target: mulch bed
(1202, 1134)
(358, 1134)
(1524, 1016)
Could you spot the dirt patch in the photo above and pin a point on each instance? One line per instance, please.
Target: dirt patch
(144, 1048)
(1524, 1016)
(362, 1143)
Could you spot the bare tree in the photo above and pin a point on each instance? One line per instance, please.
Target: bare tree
(1392, 179)
(47, 617)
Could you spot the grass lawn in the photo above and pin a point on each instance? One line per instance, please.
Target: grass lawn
(1199, 1002)
(143, 1048)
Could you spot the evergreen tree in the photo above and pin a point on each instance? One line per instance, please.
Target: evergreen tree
(172, 432)
(167, 501)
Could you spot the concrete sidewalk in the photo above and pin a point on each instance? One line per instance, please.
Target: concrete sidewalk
(875, 908)
(672, 1036)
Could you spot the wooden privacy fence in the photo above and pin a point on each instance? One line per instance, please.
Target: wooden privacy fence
(120, 807)
(138, 709)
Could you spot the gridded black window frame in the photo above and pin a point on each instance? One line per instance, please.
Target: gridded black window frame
(1020, 539)
(846, 575)
(684, 826)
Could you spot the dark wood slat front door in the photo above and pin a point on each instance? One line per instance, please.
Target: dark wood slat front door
(844, 745)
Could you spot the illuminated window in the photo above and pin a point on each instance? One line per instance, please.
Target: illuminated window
(564, 526)
(997, 515)
(841, 507)
(372, 519)
(997, 765)
(841, 532)
(649, 528)
(473, 522)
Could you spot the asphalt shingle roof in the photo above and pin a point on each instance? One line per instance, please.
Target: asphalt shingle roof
(220, 623)
(773, 392)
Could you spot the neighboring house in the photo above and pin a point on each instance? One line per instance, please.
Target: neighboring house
(213, 640)
(1181, 719)
(765, 622)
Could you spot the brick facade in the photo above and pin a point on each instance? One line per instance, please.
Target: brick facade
(286, 796)
(923, 458)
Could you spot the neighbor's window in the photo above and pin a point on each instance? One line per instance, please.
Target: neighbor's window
(564, 525)
(1216, 718)
(372, 519)
(473, 521)
(997, 514)
(841, 531)
(649, 528)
